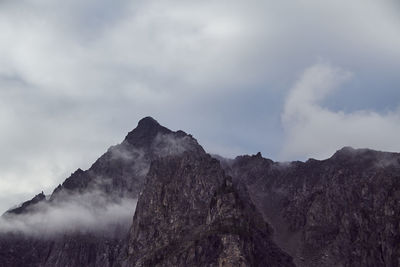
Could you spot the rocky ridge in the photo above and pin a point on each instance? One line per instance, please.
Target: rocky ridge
(117, 175)
(196, 210)
(343, 211)
(190, 214)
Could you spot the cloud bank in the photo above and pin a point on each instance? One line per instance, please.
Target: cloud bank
(313, 130)
(98, 207)
(91, 212)
(76, 76)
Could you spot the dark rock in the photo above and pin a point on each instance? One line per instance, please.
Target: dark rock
(119, 173)
(191, 215)
(27, 206)
(343, 211)
(144, 134)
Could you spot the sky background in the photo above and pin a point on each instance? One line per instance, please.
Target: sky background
(292, 79)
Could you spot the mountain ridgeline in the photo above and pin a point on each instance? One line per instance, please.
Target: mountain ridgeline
(158, 199)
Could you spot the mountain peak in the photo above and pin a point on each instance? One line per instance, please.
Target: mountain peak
(146, 130)
(148, 122)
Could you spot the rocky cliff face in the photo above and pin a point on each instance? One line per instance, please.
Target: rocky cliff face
(190, 214)
(343, 211)
(195, 210)
(116, 176)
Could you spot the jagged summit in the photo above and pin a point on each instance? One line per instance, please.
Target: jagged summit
(25, 207)
(145, 132)
(191, 209)
(148, 121)
(121, 171)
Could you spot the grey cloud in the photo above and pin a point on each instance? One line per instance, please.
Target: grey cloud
(76, 76)
(140, 164)
(170, 145)
(93, 210)
(89, 212)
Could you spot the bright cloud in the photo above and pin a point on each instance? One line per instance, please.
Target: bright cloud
(313, 130)
(76, 76)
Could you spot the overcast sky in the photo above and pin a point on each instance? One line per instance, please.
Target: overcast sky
(292, 79)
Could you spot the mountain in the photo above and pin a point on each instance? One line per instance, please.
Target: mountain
(190, 214)
(343, 211)
(158, 199)
(80, 223)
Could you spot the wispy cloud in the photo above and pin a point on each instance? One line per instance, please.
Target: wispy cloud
(95, 208)
(92, 212)
(76, 76)
(312, 130)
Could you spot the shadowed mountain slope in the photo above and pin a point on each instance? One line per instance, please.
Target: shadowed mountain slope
(80, 223)
(190, 214)
(196, 210)
(343, 211)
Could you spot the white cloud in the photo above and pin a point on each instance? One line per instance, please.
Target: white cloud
(312, 130)
(76, 76)
(89, 212)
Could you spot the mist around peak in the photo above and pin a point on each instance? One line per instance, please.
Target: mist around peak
(100, 200)
(90, 212)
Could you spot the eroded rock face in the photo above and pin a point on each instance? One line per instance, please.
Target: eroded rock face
(70, 250)
(195, 210)
(343, 211)
(117, 175)
(121, 171)
(190, 214)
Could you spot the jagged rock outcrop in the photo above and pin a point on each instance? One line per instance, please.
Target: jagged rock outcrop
(121, 170)
(198, 210)
(190, 214)
(118, 174)
(27, 205)
(343, 211)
